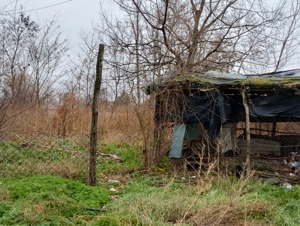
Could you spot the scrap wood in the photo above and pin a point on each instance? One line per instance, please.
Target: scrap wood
(112, 156)
(279, 177)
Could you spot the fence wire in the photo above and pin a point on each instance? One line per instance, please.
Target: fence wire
(68, 157)
(56, 141)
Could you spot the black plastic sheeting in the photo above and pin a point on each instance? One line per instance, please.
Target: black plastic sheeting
(214, 109)
(210, 108)
(278, 104)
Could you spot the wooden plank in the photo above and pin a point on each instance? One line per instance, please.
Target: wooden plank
(259, 146)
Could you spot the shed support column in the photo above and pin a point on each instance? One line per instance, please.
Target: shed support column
(152, 157)
(273, 130)
(247, 122)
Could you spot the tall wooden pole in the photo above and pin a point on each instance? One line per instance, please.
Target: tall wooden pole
(137, 61)
(247, 122)
(94, 125)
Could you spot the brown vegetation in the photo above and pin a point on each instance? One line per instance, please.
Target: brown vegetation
(69, 118)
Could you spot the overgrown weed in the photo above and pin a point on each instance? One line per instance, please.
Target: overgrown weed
(203, 197)
(164, 200)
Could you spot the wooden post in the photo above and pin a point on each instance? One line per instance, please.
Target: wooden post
(94, 125)
(273, 130)
(247, 123)
(157, 131)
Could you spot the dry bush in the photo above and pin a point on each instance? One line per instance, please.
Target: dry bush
(231, 213)
(233, 209)
(207, 201)
(125, 123)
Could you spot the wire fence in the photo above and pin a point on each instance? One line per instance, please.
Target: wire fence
(66, 157)
(56, 141)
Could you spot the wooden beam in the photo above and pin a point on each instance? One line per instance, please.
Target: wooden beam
(247, 123)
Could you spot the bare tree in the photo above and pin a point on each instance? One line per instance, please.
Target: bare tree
(204, 35)
(178, 37)
(30, 59)
(83, 71)
(16, 34)
(45, 54)
(285, 36)
(31, 55)
(128, 52)
(175, 37)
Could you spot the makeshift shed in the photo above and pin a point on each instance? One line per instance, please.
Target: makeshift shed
(206, 113)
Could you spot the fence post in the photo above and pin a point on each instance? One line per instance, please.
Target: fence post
(95, 109)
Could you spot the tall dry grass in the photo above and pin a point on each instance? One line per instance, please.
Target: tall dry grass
(117, 123)
(63, 132)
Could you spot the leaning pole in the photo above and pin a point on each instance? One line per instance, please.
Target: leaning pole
(94, 124)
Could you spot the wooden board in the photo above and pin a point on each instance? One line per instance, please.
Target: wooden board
(259, 146)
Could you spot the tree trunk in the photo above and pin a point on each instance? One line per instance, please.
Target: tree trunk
(95, 109)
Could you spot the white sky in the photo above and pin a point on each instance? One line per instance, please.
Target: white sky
(72, 15)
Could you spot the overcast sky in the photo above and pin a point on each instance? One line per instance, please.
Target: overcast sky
(72, 15)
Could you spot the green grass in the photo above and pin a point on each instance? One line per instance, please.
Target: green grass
(60, 157)
(165, 201)
(49, 200)
(32, 194)
(287, 203)
(131, 159)
(65, 158)
(147, 200)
